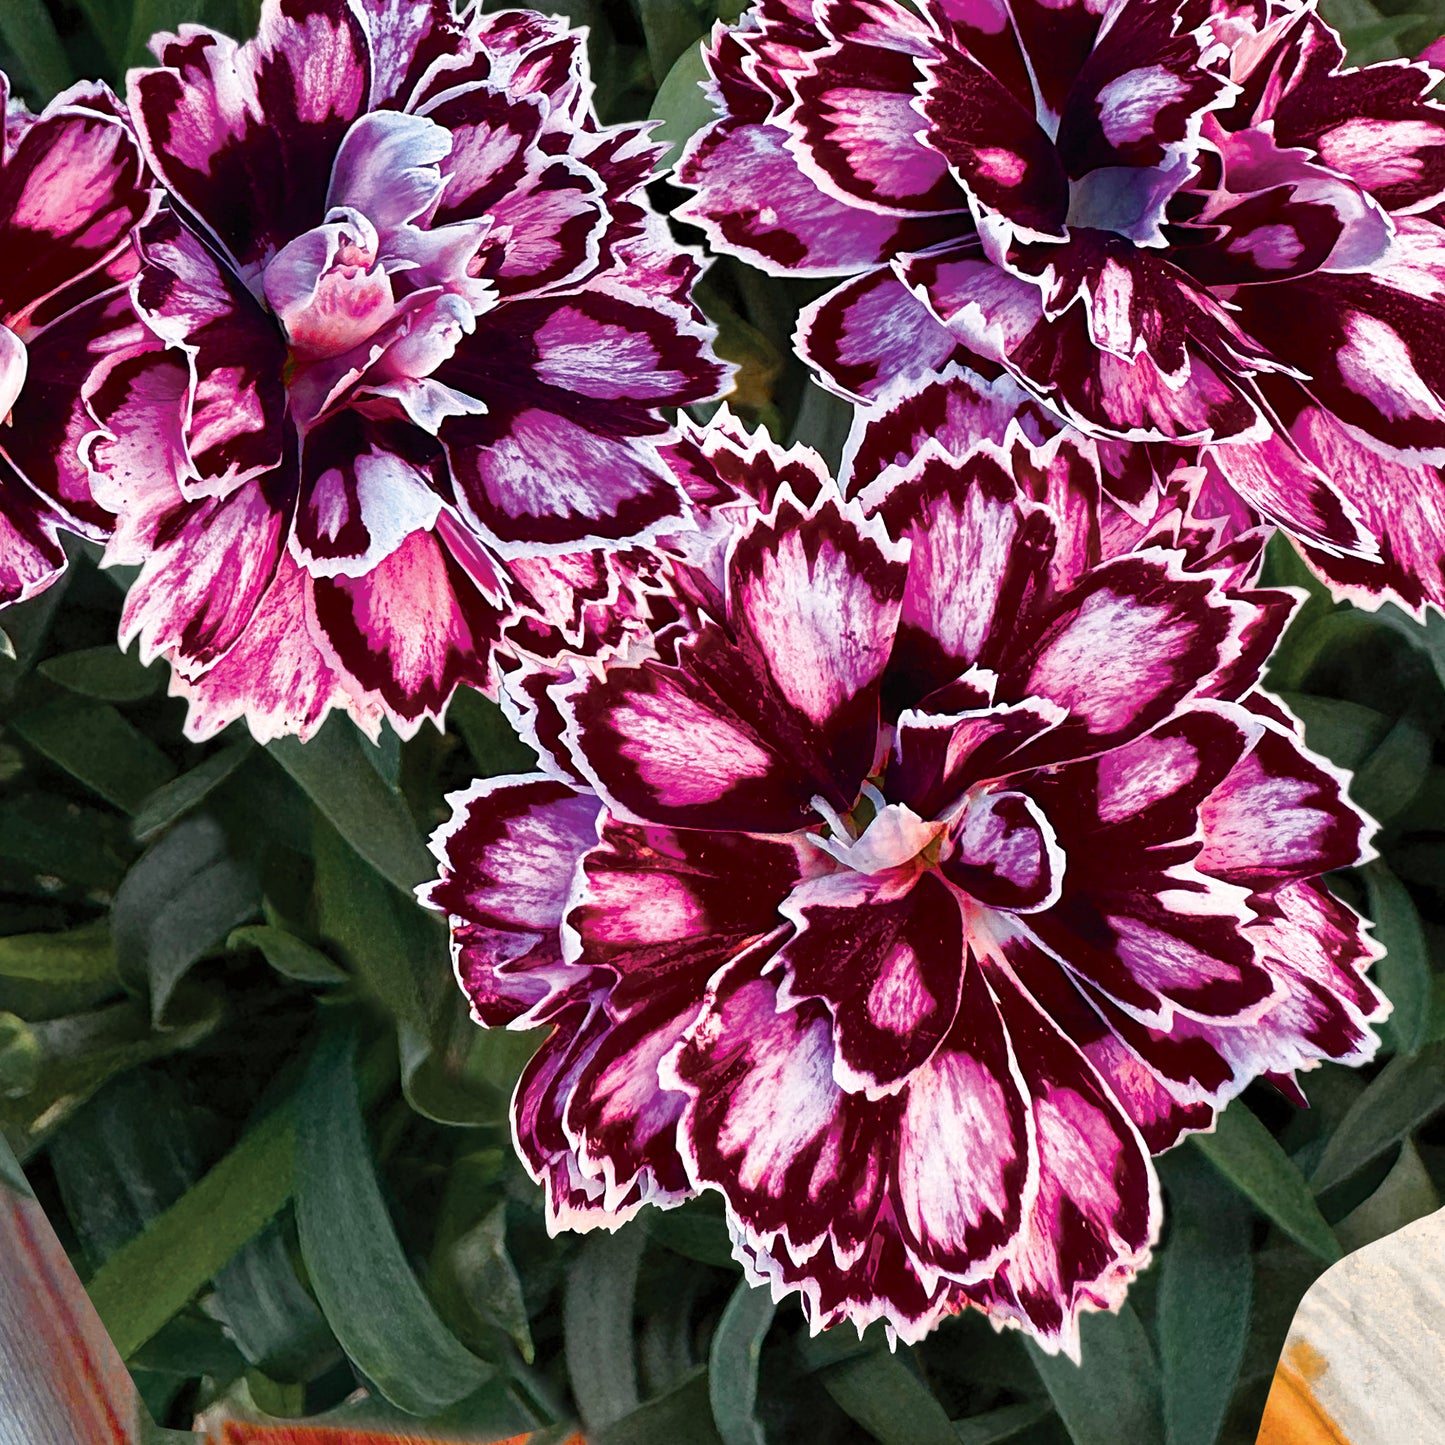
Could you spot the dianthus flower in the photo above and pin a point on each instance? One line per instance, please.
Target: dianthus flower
(1171, 220)
(72, 190)
(932, 866)
(411, 322)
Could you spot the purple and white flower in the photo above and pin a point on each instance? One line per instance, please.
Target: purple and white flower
(73, 189)
(1171, 220)
(934, 865)
(410, 322)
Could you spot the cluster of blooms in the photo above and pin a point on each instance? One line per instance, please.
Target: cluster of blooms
(913, 853)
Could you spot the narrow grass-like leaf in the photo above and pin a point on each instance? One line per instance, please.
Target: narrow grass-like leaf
(272, 1318)
(176, 798)
(145, 1282)
(997, 1427)
(287, 954)
(737, 1347)
(1406, 1193)
(681, 105)
(94, 744)
(334, 773)
(597, 1326)
(81, 1051)
(366, 1288)
(1205, 1281)
(1114, 1395)
(1404, 971)
(181, 900)
(888, 1400)
(670, 1419)
(106, 673)
(84, 955)
(29, 31)
(1250, 1157)
(1405, 1093)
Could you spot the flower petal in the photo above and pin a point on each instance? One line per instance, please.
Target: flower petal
(889, 965)
(244, 135)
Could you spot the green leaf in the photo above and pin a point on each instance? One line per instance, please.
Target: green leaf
(996, 1427)
(106, 673)
(270, 1314)
(94, 744)
(126, 1156)
(82, 1051)
(888, 1400)
(737, 1347)
(366, 1288)
(670, 27)
(1404, 971)
(334, 773)
(287, 954)
(1205, 1281)
(58, 838)
(1115, 1395)
(679, 1415)
(1405, 1093)
(489, 1281)
(178, 797)
(597, 1326)
(180, 901)
(1406, 1193)
(84, 955)
(1345, 732)
(26, 27)
(681, 105)
(495, 747)
(1387, 781)
(20, 1056)
(1250, 1157)
(696, 1230)
(154, 1276)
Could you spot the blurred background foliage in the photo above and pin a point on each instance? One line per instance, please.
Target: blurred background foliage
(237, 1073)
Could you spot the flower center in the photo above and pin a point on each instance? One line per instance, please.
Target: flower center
(14, 364)
(1128, 200)
(328, 288)
(878, 835)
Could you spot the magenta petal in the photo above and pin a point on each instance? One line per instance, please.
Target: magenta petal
(1096, 1212)
(1126, 646)
(814, 598)
(411, 629)
(766, 1124)
(994, 146)
(665, 908)
(235, 351)
(624, 1119)
(1003, 853)
(50, 420)
(854, 125)
(213, 562)
(71, 193)
(977, 555)
(276, 676)
(31, 557)
(680, 744)
(871, 332)
(510, 850)
(244, 135)
(963, 1176)
(1279, 816)
(361, 496)
(887, 960)
(753, 200)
